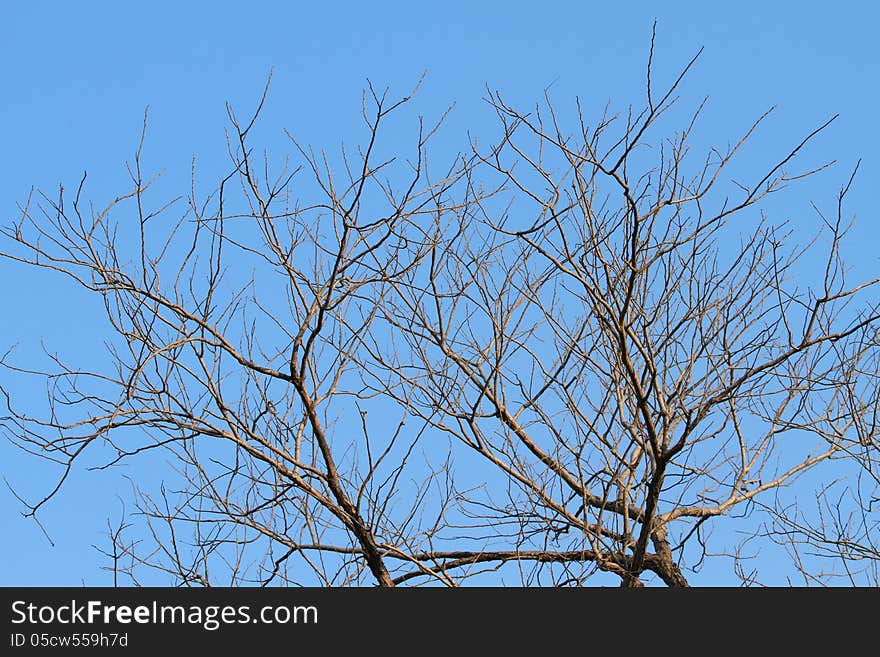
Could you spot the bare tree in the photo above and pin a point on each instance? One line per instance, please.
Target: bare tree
(558, 356)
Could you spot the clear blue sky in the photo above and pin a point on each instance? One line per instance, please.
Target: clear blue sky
(76, 78)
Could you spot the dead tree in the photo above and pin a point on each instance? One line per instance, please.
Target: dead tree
(558, 356)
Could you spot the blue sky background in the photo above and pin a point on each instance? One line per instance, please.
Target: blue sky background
(76, 77)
